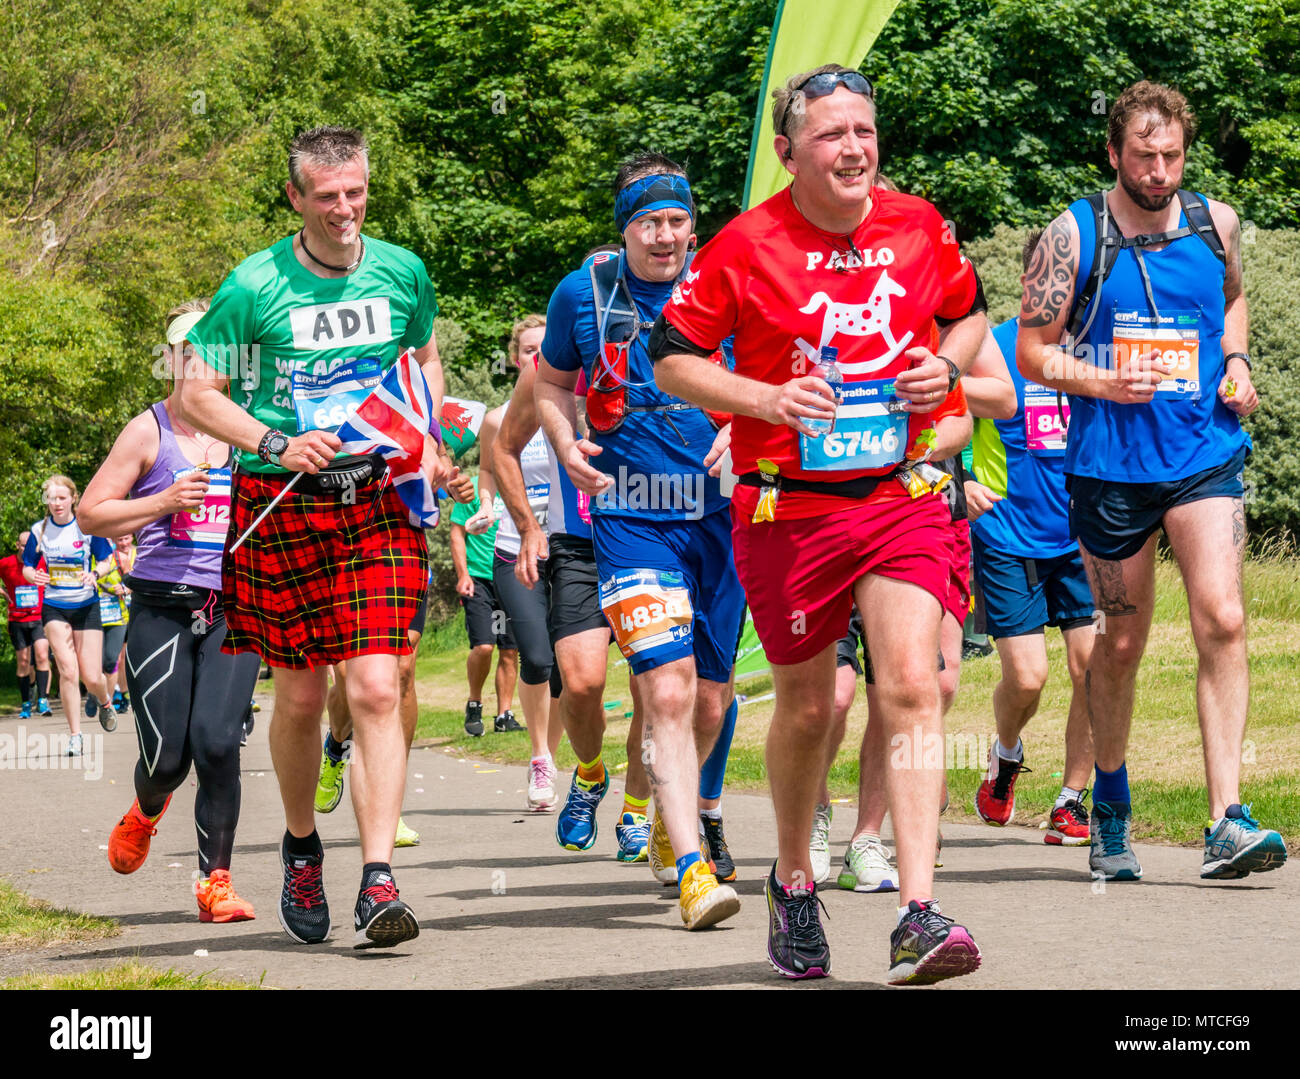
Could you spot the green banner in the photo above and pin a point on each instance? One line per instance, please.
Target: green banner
(750, 660)
(805, 35)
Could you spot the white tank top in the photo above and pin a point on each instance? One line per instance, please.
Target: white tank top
(535, 463)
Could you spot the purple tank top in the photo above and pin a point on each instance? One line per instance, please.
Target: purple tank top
(181, 548)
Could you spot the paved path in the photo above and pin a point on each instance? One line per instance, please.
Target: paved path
(501, 905)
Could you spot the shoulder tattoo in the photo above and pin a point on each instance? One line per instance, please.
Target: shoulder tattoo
(1049, 281)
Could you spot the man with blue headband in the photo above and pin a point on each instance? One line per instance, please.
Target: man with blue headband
(660, 523)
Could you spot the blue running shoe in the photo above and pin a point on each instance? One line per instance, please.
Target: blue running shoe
(1111, 856)
(633, 833)
(27, 710)
(92, 706)
(43, 707)
(575, 827)
(1235, 845)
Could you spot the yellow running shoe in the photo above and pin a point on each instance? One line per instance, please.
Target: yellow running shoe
(663, 864)
(704, 901)
(406, 835)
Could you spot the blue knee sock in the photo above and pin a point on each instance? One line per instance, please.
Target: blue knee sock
(685, 862)
(1111, 786)
(714, 771)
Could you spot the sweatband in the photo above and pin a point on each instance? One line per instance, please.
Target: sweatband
(650, 193)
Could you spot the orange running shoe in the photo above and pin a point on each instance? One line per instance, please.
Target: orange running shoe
(218, 901)
(128, 845)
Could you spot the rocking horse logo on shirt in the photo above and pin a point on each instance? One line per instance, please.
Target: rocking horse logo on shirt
(855, 320)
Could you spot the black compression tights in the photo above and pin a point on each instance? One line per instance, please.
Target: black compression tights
(189, 701)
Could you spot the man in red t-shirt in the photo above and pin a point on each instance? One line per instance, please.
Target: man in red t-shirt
(818, 522)
(25, 630)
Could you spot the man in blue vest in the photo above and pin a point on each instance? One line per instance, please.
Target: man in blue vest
(1148, 338)
(661, 527)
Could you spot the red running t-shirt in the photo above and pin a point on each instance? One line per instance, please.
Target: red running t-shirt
(786, 288)
(24, 599)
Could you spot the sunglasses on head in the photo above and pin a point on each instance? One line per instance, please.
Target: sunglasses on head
(824, 84)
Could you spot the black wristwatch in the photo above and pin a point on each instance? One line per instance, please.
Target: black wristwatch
(1238, 356)
(954, 373)
(272, 445)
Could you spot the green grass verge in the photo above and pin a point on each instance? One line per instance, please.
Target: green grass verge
(34, 923)
(131, 975)
(1165, 762)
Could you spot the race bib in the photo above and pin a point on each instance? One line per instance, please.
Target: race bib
(324, 402)
(27, 597)
(66, 572)
(1176, 335)
(870, 431)
(204, 527)
(646, 609)
(110, 609)
(1045, 424)
(539, 497)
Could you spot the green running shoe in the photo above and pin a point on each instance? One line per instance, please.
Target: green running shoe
(329, 787)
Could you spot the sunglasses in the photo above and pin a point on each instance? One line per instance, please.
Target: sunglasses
(824, 84)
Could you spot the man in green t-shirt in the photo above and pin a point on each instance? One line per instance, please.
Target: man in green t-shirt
(485, 620)
(295, 339)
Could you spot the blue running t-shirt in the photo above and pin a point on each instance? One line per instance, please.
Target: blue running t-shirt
(656, 458)
(1023, 459)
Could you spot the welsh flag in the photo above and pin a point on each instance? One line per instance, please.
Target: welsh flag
(393, 422)
(461, 421)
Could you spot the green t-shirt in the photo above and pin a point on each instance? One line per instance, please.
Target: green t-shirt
(478, 549)
(302, 351)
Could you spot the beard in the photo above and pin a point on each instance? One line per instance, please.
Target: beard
(1145, 201)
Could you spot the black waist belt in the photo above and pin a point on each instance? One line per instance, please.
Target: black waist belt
(857, 488)
(680, 406)
(346, 473)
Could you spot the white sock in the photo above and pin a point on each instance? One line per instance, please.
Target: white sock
(1016, 754)
(713, 814)
(1068, 794)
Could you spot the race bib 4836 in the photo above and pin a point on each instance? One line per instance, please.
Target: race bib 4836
(646, 609)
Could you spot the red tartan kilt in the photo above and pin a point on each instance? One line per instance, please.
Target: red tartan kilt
(320, 580)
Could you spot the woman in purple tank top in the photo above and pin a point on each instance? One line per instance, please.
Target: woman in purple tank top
(170, 485)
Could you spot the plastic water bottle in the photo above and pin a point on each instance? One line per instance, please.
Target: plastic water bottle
(829, 371)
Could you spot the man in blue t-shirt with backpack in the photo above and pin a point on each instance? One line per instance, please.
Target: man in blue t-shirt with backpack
(1133, 305)
(661, 527)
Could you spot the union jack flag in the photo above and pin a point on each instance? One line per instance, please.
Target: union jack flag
(393, 422)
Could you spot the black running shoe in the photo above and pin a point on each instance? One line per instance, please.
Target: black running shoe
(474, 719)
(927, 947)
(796, 945)
(724, 868)
(382, 919)
(506, 722)
(303, 911)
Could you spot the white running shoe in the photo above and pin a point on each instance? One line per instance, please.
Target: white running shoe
(867, 868)
(541, 786)
(819, 846)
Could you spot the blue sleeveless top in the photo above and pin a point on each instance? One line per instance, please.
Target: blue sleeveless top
(1185, 429)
